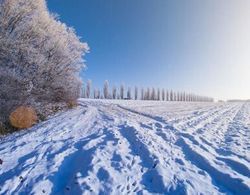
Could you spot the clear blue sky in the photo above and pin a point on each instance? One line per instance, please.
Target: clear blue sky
(196, 46)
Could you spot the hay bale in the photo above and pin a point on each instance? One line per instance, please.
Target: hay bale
(23, 117)
(72, 104)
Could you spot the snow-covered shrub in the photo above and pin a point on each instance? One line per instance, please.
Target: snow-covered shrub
(40, 57)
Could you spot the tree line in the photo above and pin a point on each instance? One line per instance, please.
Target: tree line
(135, 93)
(40, 59)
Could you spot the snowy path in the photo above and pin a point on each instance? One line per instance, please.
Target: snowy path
(132, 147)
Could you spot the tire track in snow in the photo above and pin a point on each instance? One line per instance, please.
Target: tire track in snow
(206, 119)
(150, 176)
(213, 124)
(225, 181)
(214, 172)
(102, 175)
(140, 144)
(86, 150)
(183, 185)
(196, 116)
(220, 124)
(237, 135)
(219, 121)
(151, 179)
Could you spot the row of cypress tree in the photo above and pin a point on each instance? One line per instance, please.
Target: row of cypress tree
(156, 94)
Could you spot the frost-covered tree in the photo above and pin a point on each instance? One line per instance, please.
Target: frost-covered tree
(114, 92)
(136, 92)
(152, 97)
(184, 96)
(190, 97)
(158, 94)
(106, 90)
(129, 96)
(83, 91)
(177, 96)
(181, 96)
(40, 57)
(98, 94)
(163, 95)
(147, 94)
(171, 96)
(95, 94)
(167, 95)
(142, 94)
(122, 91)
(88, 88)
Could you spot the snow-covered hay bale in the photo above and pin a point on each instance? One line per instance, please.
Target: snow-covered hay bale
(23, 117)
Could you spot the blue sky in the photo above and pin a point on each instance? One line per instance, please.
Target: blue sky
(195, 46)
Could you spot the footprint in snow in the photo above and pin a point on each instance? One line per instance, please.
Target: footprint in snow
(202, 173)
(179, 161)
(21, 179)
(158, 125)
(118, 187)
(133, 162)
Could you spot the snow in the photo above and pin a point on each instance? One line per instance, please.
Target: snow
(132, 147)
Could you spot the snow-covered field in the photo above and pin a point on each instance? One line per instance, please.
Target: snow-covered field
(132, 147)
